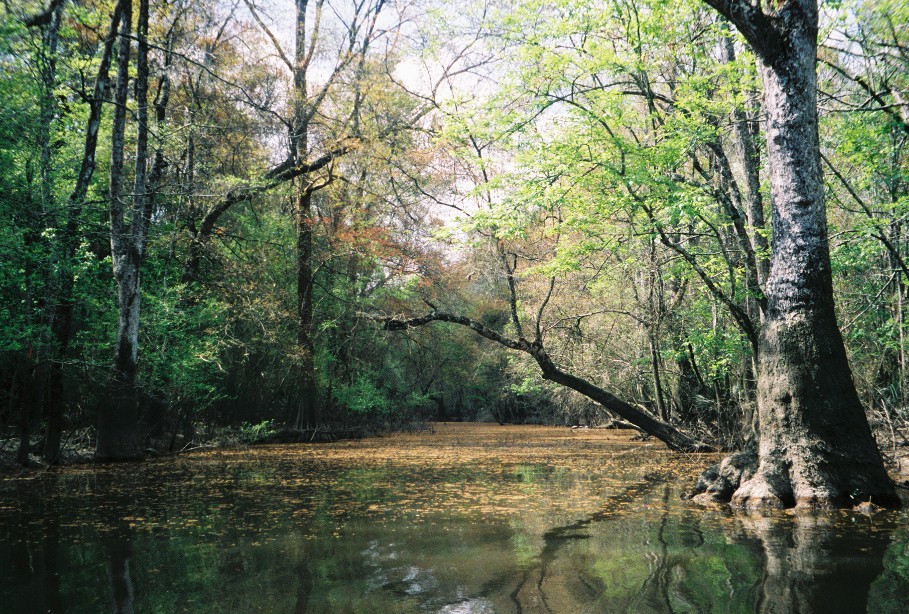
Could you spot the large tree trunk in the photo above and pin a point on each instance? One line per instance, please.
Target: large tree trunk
(118, 420)
(816, 448)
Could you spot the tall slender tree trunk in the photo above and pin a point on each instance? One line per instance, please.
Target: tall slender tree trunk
(22, 393)
(48, 106)
(47, 62)
(118, 424)
(69, 242)
(750, 158)
(816, 448)
(307, 404)
(307, 415)
(662, 406)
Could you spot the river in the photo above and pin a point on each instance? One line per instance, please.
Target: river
(462, 518)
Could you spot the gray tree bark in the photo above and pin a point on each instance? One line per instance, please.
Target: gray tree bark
(118, 419)
(816, 448)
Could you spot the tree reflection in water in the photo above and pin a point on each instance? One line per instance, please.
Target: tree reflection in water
(812, 565)
(478, 520)
(119, 553)
(703, 561)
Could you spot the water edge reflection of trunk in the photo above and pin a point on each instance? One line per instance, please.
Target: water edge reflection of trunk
(115, 534)
(804, 569)
(655, 593)
(51, 575)
(31, 559)
(118, 548)
(764, 563)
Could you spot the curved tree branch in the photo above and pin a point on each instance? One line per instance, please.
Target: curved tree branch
(741, 317)
(757, 27)
(665, 432)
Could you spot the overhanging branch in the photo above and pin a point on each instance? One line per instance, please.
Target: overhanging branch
(665, 432)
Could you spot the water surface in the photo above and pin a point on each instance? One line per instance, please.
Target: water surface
(467, 518)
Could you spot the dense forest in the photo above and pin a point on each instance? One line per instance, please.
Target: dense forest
(233, 218)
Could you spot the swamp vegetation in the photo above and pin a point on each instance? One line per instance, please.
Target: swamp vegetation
(267, 221)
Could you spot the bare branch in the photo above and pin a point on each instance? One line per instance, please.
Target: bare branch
(274, 40)
(878, 234)
(665, 432)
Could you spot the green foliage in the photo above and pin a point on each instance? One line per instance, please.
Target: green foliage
(577, 142)
(255, 433)
(184, 345)
(364, 397)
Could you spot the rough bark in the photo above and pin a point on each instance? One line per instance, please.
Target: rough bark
(118, 424)
(718, 483)
(816, 448)
(650, 424)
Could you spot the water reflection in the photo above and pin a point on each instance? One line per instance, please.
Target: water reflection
(119, 553)
(695, 561)
(275, 532)
(811, 566)
(32, 562)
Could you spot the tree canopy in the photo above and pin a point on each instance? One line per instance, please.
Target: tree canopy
(289, 188)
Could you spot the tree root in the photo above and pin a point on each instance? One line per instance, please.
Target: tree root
(718, 483)
(742, 482)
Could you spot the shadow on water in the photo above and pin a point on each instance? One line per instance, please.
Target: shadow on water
(51, 574)
(495, 529)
